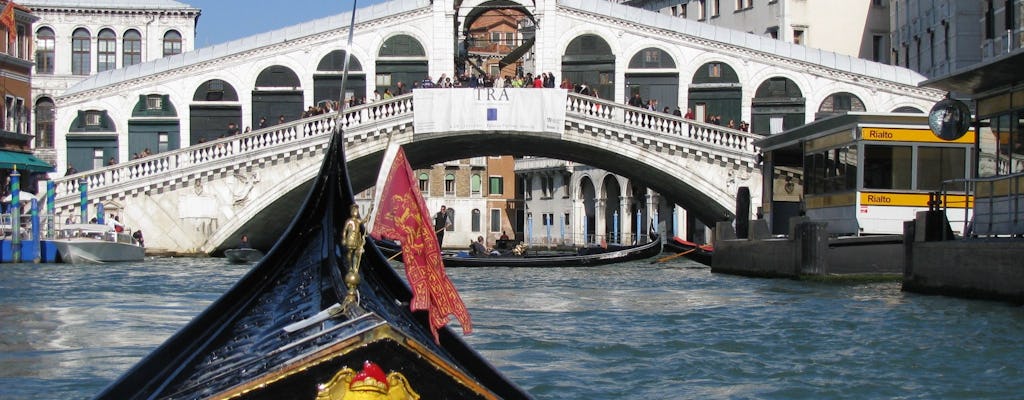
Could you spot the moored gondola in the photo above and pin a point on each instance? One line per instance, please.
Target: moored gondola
(696, 252)
(586, 257)
(298, 327)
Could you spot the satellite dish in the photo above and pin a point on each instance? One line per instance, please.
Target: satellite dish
(949, 119)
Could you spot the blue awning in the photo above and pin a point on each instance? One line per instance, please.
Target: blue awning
(24, 162)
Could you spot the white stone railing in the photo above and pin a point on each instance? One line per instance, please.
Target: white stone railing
(709, 136)
(172, 163)
(226, 151)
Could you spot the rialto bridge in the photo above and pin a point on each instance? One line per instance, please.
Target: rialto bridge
(198, 189)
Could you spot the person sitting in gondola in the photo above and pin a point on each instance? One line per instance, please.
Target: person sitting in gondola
(244, 242)
(476, 248)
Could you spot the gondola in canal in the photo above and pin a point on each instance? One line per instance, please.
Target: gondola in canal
(683, 248)
(584, 257)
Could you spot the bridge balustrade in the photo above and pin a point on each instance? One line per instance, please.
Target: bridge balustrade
(708, 135)
(227, 149)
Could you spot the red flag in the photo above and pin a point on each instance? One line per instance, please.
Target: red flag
(7, 20)
(402, 214)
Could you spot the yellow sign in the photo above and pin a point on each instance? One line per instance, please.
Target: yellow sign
(911, 200)
(908, 135)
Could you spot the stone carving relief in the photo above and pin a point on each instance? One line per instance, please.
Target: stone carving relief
(242, 187)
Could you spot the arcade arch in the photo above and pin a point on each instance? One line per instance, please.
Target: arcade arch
(839, 103)
(589, 60)
(328, 76)
(278, 93)
(652, 74)
(154, 125)
(214, 106)
(716, 92)
(401, 60)
(778, 105)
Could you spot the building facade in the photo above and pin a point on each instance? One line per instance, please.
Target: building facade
(75, 40)
(573, 205)
(854, 28)
(936, 38)
(15, 132)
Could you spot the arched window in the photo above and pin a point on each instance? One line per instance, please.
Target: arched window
(44, 50)
(81, 43)
(106, 51)
(172, 43)
(44, 123)
(424, 182)
(449, 184)
(132, 48)
(475, 184)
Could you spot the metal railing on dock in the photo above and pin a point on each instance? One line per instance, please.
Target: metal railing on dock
(996, 204)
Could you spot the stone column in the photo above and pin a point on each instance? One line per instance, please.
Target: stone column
(626, 225)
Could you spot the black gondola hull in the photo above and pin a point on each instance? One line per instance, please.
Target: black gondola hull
(624, 254)
(239, 347)
(693, 251)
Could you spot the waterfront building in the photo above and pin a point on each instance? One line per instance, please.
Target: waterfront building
(16, 66)
(854, 28)
(570, 204)
(76, 40)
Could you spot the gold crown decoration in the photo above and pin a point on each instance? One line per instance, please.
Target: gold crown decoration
(368, 384)
(371, 378)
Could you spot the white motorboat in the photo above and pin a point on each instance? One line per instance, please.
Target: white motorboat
(96, 243)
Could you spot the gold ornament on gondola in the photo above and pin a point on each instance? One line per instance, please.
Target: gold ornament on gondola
(368, 384)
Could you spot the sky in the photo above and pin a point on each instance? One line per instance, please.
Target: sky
(225, 20)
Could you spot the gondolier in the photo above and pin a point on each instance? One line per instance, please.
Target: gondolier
(441, 223)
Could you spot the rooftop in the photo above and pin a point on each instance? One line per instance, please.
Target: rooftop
(120, 4)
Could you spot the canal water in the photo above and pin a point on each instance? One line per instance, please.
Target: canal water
(626, 331)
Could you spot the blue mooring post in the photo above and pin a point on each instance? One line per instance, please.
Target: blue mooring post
(639, 225)
(100, 216)
(561, 229)
(529, 229)
(615, 226)
(548, 226)
(51, 209)
(37, 253)
(15, 216)
(83, 200)
(585, 223)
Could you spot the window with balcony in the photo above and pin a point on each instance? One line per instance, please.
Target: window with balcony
(132, 48)
(44, 50)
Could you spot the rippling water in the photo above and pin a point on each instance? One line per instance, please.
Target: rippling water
(627, 331)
